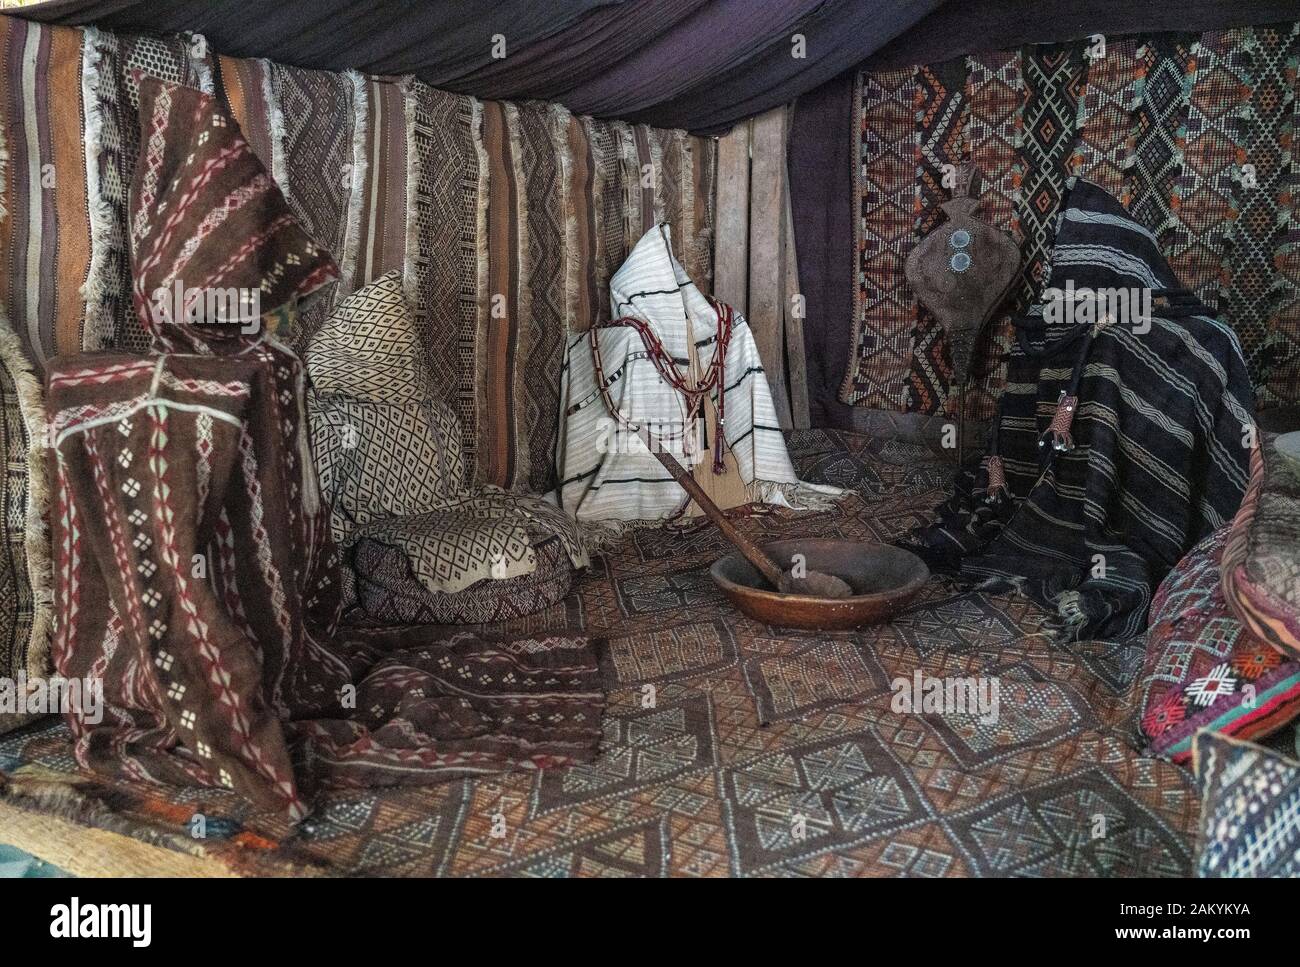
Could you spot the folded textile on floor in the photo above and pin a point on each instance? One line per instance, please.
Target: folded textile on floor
(606, 473)
(195, 577)
(1120, 443)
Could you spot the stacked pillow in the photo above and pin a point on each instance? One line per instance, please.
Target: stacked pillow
(1261, 562)
(424, 547)
(1204, 668)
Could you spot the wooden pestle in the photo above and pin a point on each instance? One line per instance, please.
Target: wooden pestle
(816, 583)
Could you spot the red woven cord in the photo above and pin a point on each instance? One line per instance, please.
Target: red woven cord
(997, 483)
(1062, 420)
(713, 376)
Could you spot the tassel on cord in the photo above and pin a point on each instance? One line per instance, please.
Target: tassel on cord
(1059, 428)
(997, 478)
(1067, 404)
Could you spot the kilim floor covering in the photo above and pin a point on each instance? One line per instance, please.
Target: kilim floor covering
(733, 748)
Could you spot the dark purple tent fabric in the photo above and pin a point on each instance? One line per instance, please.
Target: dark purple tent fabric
(438, 41)
(822, 140)
(977, 25)
(554, 66)
(675, 61)
(697, 64)
(838, 34)
(820, 159)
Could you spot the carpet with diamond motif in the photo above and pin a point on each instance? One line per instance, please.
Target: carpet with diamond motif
(735, 749)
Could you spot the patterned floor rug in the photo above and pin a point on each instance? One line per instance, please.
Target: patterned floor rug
(734, 748)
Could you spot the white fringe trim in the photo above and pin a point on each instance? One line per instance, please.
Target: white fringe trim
(560, 118)
(99, 324)
(349, 282)
(522, 297)
(484, 297)
(796, 496)
(202, 66)
(410, 263)
(687, 227)
(36, 534)
(599, 536)
(275, 118)
(660, 174)
(630, 159)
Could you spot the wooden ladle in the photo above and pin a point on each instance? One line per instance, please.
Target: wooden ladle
(813, 583)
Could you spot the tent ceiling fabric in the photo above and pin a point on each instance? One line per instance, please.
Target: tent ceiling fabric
(696, 64)
(440, 41)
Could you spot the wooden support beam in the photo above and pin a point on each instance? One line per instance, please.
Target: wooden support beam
(794, 315)
(767, 203)
(731, 215)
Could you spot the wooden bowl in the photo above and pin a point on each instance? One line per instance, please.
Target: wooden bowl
(883, 578)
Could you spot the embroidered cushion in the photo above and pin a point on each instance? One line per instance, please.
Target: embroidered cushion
(1250, 812)
(1204, 669)
(209, 224)
(1261, 562)
(368, 350)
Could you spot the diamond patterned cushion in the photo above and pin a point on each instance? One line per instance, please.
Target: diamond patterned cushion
(1250, 816)
(377, 462)
(489, 535)
(1204, 669)
(1261, 562)
(389, 592)
(391, 464)
(367, 349)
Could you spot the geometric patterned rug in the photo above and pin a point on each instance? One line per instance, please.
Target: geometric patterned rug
(733, 748)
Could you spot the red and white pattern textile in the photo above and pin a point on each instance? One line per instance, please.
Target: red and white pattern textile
(195, 577)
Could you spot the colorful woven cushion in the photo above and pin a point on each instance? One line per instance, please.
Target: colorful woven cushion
(1261, 562)
(1250, 811)
(1204, 669)
(368, 350)
(212, 238)
(389, 592)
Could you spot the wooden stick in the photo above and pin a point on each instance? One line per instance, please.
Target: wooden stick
(754, 554)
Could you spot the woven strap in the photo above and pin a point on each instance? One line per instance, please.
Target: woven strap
(714, 376)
